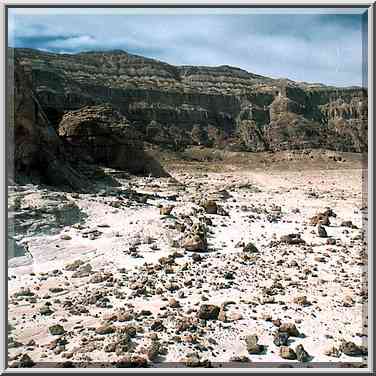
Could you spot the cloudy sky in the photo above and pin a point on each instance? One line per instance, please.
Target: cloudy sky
(304, 45)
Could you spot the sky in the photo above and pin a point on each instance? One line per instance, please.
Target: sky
(311, 45)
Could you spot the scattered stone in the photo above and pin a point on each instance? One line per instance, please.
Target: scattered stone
(281, 339)
(252, 346)
(194, 243)
(250, 248)
(292, 239)
(210, 207)
(208, 312)
(290, 329)
(74, 265)
(105, 329)
(301, 354)
(166, 210)
(350, 348)
(56, 330)
(286, 352)
(321, 231)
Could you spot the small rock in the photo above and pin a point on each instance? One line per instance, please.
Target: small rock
(290, 329)
(194, 243)
(74, 265)
(252, 346)
(56, 330)
(105, 329)
(131, 361)
(321, 231)
(332, 351)
(347, 224)
(166, 210)
(250, 248)
(301, 354)
(26, 362)
(286, 352)
(281, 339)
(292, 239)
(208, 312)
(173, 303)
(210, 207)
(302, 300)
(45, 310)
(350, 348)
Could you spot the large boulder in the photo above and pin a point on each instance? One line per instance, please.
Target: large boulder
(106, 136)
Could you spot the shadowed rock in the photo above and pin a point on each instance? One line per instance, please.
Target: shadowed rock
(106, 136)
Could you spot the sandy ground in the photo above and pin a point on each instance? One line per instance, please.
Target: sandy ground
(261, 288)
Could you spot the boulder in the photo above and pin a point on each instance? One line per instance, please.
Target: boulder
(208, 312)
(252, 344)
(286, 352)
(108, 138)
(194, 243)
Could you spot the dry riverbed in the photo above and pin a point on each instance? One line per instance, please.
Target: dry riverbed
(232, 268)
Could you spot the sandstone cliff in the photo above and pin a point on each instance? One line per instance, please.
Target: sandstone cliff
(36, 151)
(34, 148)
(220, 106)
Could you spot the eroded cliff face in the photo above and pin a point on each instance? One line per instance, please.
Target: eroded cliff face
(37, 151)
(212, 106)
(34, 148)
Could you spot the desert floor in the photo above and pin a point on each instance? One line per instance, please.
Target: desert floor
(138, 296)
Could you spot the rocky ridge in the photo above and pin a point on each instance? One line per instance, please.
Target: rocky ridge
(177, 106)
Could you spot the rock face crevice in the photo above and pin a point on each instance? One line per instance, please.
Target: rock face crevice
(178, 106)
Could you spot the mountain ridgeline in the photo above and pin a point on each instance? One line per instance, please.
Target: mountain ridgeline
(178, 106)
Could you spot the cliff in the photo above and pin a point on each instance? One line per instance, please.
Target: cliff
(177, 106)
(36, 150)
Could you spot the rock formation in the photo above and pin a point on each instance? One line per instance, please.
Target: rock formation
(107, 138)
(176, 106)
(108, 103)
(36, 150)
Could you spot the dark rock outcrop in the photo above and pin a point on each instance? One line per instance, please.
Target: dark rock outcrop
(34, 148)
(36, 151)
(107, 138)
